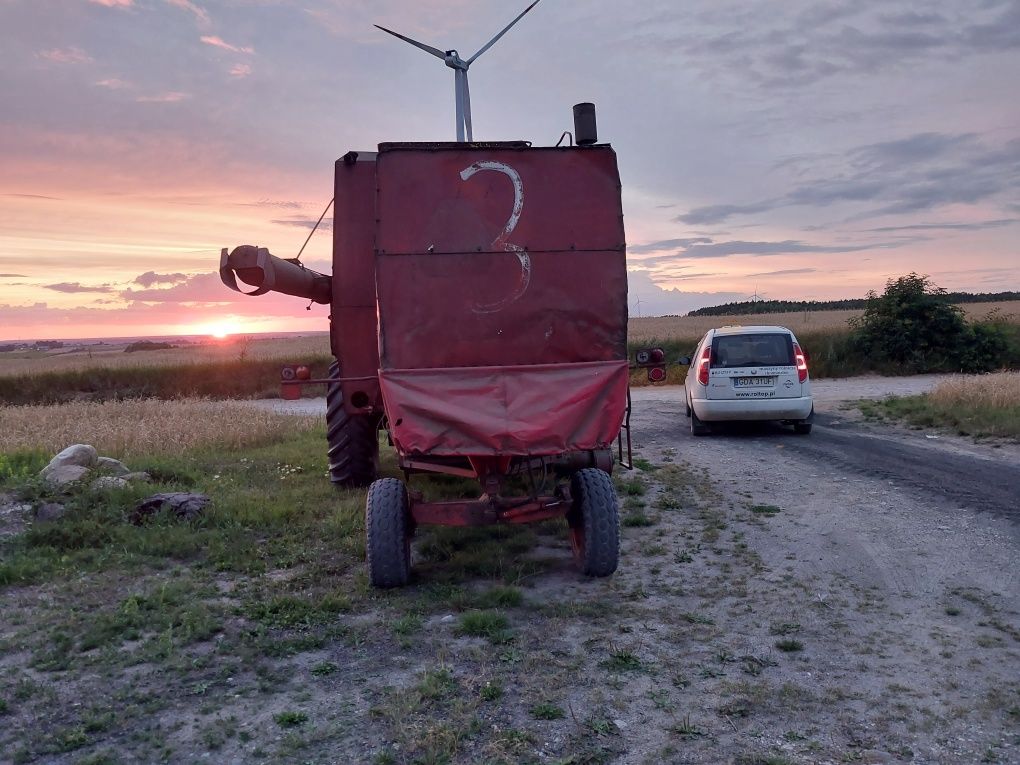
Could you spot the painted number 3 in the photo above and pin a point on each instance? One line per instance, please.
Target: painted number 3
(501, 241)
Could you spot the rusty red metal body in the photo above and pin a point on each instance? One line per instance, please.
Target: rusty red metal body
(479, 303)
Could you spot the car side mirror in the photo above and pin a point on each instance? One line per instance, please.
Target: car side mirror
(684, 361)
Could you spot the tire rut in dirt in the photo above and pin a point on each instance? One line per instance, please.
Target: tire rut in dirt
(991, 486)
(353, 441)
(388, 533)
(595, 522)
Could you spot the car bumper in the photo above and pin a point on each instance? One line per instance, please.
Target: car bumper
(710, 410)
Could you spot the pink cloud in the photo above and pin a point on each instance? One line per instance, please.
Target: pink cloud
(113, 84)
(170, 97)
(201, 15)
(114, 3)
(240, 70)
(219, 42)
(70, 55)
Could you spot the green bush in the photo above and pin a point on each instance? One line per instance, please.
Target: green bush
(912, 327)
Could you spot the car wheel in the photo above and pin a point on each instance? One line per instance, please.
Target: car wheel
(804, 426)
(687, 406)
(698, 428)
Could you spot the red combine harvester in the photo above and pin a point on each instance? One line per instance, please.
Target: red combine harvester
(478, 316)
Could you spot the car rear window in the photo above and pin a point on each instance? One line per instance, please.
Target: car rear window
(752, 350)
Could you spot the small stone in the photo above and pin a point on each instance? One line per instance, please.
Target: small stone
(62, 475)
(48, 512)
(107, 482)
(80, 455)
(112, 467)
(139, 477)
(447, 618)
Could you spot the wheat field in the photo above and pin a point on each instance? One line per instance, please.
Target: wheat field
(233, 349)
(693, 327)
(998, 390)
(122, 429)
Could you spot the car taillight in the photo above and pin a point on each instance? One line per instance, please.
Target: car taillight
(703, 364)
(798, 354)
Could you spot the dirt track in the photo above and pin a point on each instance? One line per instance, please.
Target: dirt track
(848, 596)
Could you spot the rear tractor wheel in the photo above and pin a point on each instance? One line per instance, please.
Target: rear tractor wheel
(388, 529)
(594, 522)
(353, 440)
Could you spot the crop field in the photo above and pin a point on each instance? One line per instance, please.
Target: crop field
(693, 327)
(247, 348)
(124, 429)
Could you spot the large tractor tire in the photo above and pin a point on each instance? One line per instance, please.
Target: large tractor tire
(353, 440)
(594, 522)
(388, 530)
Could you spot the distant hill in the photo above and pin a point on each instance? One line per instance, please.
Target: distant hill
(793, 306)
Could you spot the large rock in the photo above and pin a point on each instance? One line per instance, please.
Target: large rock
(110, 466)
(183, 504)
(78, 455)
(64, 475)
(48, 512)
(139, 477)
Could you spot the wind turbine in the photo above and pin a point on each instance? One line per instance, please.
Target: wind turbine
(460, 71)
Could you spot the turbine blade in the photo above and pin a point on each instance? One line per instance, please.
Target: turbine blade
(427, 48)
(459, 95)
(467, 108)
(505, 30)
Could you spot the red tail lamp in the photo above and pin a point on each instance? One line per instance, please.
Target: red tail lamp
(801, 359)
(657, 374)
(703, 365)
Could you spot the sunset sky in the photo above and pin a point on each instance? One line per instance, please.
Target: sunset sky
(795, 148)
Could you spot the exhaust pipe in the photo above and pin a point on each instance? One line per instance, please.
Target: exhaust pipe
(266, 273)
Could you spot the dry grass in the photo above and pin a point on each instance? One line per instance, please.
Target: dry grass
(125, 428)
(249, 348)
(693, 327)
(1000, 390)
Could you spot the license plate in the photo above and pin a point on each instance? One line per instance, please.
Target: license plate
(753, 382)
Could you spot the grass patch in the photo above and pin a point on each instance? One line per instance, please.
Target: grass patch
(637, 519)
(789, 645)
(290, 719)
(972, 405)
(547, 711)
(765, 509)
(491, 625)
(491, 691)
(621, 660)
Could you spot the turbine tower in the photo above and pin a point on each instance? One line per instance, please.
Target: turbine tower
(460, 71)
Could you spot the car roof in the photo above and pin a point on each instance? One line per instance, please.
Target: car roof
(750, 329)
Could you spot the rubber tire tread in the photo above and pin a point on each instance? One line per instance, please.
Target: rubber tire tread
(352, 440)
(595, 508)
(698, 428)
(803, 427)
(387, 532)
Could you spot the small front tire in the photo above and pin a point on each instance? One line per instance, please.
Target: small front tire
(594, 522)
(388, 533)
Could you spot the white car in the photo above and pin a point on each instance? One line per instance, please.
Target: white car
(748, 373)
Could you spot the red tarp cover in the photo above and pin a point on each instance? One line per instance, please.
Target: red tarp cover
(535, 410)
(502, 293)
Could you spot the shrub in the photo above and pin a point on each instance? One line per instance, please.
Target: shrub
(912, 327)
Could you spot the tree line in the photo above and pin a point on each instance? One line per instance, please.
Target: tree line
(849, 304)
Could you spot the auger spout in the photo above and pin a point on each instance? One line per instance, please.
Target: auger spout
(256, 267)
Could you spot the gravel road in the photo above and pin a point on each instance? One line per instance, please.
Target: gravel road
(848, 596)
